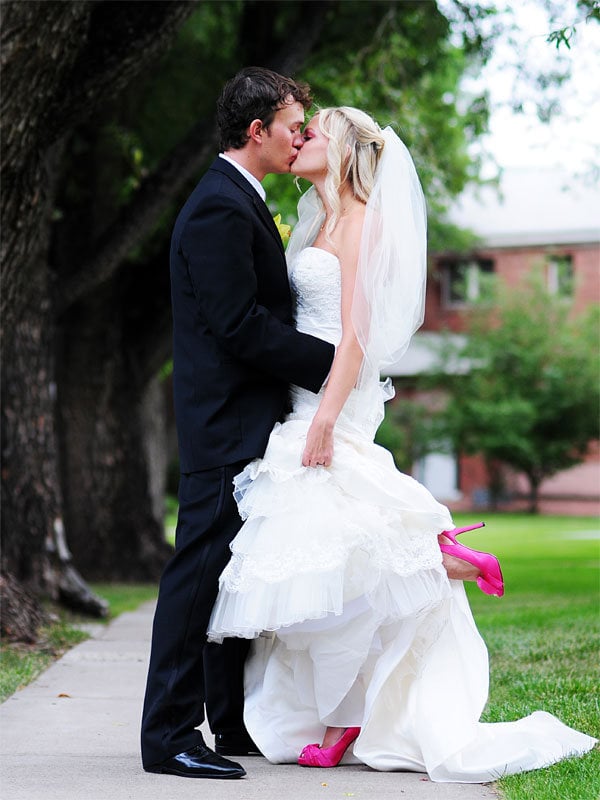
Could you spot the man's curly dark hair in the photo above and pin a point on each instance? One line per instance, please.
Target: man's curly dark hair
(254, 93)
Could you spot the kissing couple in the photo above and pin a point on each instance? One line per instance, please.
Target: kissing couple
(315, 593)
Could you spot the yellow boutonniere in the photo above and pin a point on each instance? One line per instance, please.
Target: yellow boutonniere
(284, 230)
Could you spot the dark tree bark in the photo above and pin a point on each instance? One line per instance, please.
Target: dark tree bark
(21, 613)
(112, 422)
(535, 481)
(35, 551)
(45, 88)
(28, 90)
(60, 61)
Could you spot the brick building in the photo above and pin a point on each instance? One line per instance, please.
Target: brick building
(537, 219)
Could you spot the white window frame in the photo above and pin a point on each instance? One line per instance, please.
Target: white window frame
(473, 284)
(553, 276)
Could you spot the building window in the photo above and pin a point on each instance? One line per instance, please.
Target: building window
(465, 281)
(559, 275)
(438, 472)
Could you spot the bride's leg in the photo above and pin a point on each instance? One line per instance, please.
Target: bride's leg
(332, 736)
(328, 755)
(457, 569)
(489, 575)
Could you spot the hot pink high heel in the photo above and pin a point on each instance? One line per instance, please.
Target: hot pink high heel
(458, 531)
(315, 756)
(490, 581)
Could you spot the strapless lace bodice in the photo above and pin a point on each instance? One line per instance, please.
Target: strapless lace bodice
(316, 284)
(317, 287)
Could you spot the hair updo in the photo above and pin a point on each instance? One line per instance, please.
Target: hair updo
(355, 146)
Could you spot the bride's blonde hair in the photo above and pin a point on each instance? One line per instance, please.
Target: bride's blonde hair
(354, 150)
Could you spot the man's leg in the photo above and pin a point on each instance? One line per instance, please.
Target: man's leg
(174, 702)
(224, 684)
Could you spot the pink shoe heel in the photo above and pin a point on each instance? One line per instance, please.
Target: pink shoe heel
(315, 756)
(457, 531)
(490, 581)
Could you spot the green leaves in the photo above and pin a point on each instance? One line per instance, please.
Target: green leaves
(409, 432)
(402, 63)
(561, 37)
(531, 399)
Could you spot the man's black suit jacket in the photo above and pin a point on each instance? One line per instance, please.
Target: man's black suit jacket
(235, 348)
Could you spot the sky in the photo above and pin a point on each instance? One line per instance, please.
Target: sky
(572, 139)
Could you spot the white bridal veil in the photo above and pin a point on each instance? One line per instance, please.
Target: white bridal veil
(389, 296)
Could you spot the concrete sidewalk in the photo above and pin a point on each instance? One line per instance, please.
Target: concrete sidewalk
(73, 734)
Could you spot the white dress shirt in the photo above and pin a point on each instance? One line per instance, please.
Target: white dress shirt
(254, 182)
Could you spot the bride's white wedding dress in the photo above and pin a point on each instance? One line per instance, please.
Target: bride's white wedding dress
(343, 564)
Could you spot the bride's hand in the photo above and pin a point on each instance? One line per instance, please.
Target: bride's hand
(319, 444)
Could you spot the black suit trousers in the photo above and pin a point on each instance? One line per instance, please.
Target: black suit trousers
(184, 671)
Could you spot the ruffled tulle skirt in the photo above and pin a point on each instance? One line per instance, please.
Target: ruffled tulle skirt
(337, 576)
(317, 539)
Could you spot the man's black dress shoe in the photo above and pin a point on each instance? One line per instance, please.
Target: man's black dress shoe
(199, 762)
(235, 744)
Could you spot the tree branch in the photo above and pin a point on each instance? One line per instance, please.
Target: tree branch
(123, 39)
(137, 219)
(94, 49)
(298, 46)
(59, 62)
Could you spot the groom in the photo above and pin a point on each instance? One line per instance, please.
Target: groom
(235, 352)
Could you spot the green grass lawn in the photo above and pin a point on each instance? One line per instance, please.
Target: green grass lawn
(21, 663)
(543, 638)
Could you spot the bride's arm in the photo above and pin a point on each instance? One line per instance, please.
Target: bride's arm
(348, 357)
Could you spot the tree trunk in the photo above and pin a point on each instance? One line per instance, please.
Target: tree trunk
(111, 411)
(495, 482)
(21, 613)
(534, 493)
(35, 553)
(59, 61)
(40, 41)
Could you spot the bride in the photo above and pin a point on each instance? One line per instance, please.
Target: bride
(360, 637)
